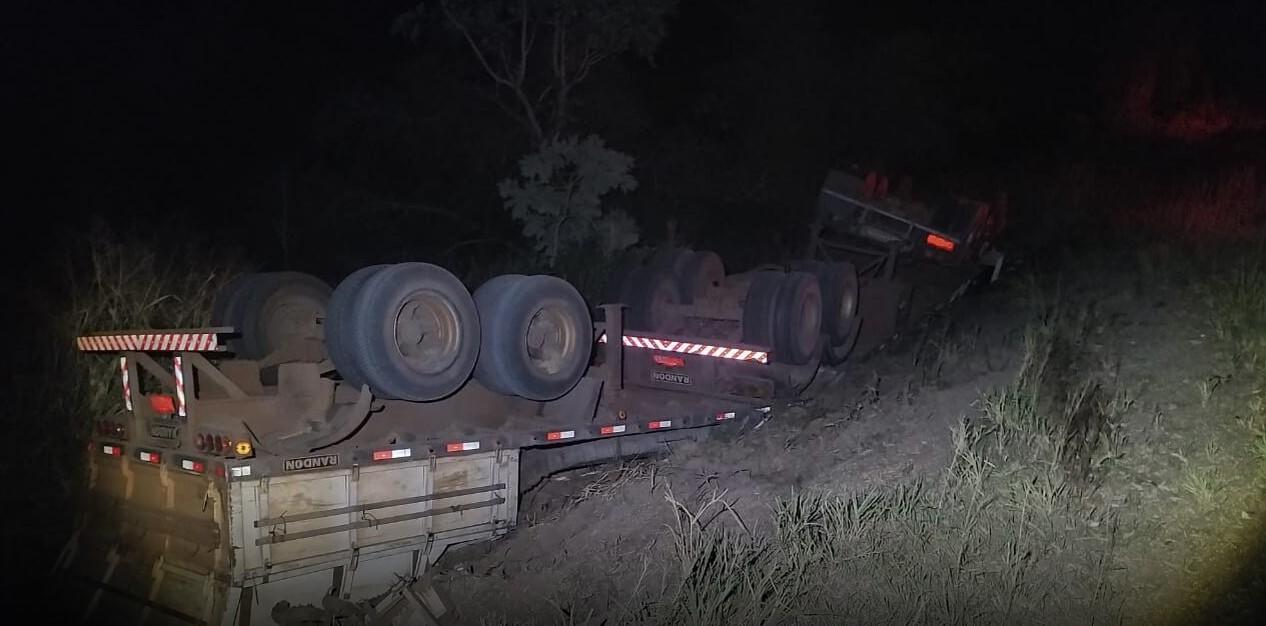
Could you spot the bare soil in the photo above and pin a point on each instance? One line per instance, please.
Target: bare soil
(1169, 529)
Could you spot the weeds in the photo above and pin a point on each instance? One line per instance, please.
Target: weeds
(1237, 300)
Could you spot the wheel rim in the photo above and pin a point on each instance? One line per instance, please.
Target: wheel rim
(551, 338)
(291, 320)
(427, 332)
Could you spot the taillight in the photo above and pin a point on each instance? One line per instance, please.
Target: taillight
(668, 361)
(162, 404)
(940, 243)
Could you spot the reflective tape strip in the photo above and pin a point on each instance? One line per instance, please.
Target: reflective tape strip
(685, 347)
(163, 342)
(177, 367)
(660, 424)
(560, 434)
(613, 430)
(462, 447)
(127, 385)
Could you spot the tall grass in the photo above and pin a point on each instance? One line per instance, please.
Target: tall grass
(114, 283)
(1237, 299)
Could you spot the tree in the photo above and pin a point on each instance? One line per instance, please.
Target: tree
(538, 51)
(558, 197)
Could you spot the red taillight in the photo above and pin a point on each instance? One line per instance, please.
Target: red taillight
(668, 361)
(940, 243)
(162, 404)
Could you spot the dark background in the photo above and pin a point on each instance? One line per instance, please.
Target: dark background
(308, 135)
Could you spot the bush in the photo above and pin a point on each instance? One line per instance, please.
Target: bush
(558, 198)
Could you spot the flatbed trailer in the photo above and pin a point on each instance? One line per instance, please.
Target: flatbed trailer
(214, 499)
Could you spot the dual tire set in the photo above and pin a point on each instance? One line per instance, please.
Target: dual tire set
(412, 331)
(804, 312)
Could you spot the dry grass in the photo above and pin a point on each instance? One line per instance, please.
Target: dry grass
(1004, 535)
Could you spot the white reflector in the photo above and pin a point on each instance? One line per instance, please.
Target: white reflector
(387, 455)
(239, 472)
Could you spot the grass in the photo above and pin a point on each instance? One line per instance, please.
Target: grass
(115, 283)
(1007, 533)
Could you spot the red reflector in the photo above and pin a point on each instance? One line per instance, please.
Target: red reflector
(387, 455)
(669, 361)
(162, 404)
(660, 424)
(613, 430)
(940, 243)
(462, 447)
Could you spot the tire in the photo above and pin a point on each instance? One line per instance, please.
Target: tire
(278, 307)
(651, 291)
(672, 260)
(489, 297)
(798, 318)
(340, 325)
(415, 332)
(837, 353)
(700, 276)
(536, 336)
(760, 308)
(839, 284)
(228, 307)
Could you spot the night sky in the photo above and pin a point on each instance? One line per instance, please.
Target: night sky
(202, 117)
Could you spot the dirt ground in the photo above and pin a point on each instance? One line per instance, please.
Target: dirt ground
(1165, 526)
